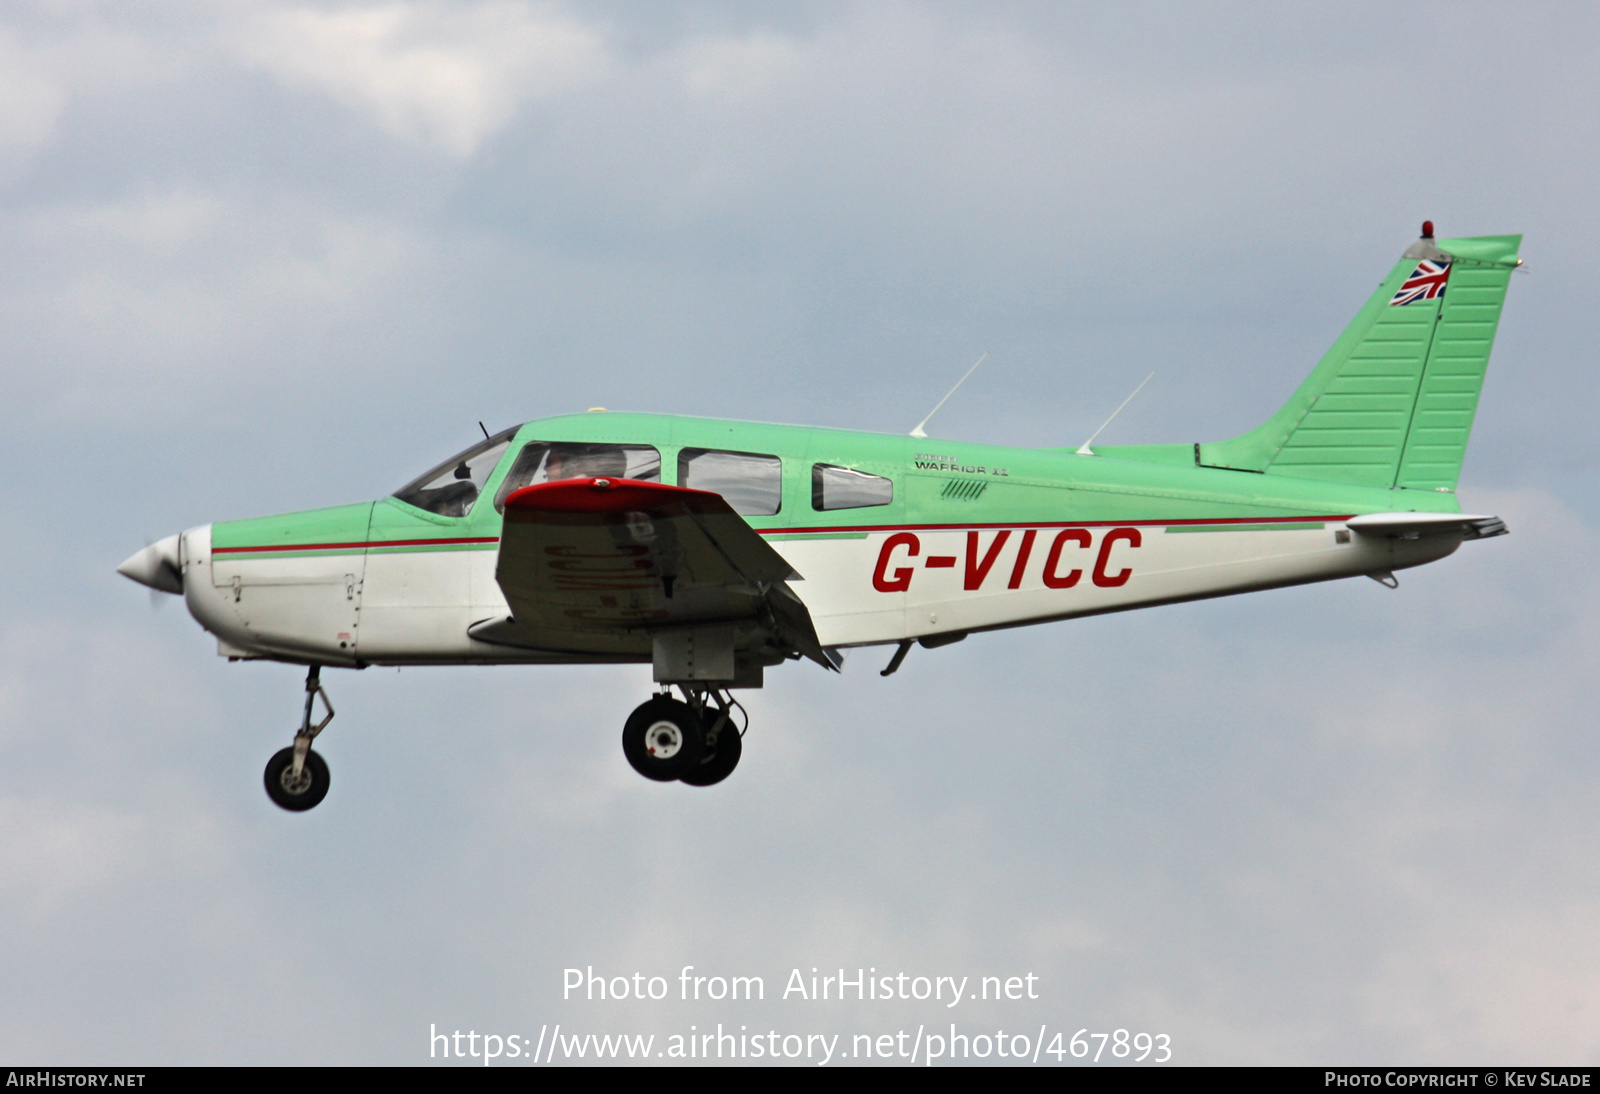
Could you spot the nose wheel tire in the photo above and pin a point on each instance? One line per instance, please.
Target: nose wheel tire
(663, 739)
(296, 794)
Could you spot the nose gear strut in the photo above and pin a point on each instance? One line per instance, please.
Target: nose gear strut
(297, 777)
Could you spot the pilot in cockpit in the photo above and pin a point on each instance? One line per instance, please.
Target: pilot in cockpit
(584, 461)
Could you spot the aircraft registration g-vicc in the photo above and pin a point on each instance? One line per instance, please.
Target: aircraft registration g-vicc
(715, 550)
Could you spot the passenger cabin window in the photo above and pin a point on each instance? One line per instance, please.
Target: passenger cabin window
(846, 488)
(751, 483)
(452, 488)
(553, 461)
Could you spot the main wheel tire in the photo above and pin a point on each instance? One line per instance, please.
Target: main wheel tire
(296, 795)
(663, 738)
(719, 762)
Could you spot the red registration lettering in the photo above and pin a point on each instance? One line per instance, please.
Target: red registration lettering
(901, 581)
(568, 551)
(1022, 559)
(978, 570)
(576, 566)
(1130, 536)
(1052, 580)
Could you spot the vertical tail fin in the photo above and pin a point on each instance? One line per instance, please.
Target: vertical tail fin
(1392, 403)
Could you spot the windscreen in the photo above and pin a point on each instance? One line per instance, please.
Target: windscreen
(452, 488)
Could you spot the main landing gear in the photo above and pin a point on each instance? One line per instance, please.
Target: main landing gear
(693, 740)
(296, 777)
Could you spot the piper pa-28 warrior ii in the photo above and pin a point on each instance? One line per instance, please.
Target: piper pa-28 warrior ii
(715, 550)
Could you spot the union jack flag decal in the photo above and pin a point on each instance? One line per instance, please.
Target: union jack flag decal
(1425, 283)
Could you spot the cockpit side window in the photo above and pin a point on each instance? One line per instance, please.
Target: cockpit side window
(750, 482)
(846, 488)
(452, 488)
(552, 461)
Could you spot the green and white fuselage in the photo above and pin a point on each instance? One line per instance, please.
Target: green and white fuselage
(983, 537)
(715, 549)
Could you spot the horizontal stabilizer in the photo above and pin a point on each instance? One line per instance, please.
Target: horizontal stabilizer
(1417, 525)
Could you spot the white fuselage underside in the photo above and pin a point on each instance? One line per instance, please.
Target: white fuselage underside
(415, 607)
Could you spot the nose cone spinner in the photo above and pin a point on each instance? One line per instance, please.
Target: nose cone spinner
(159, 566)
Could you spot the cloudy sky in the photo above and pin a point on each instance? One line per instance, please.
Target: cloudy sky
(264, 256)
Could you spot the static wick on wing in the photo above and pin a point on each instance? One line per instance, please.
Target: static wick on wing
(1083, 449)
(917, 432)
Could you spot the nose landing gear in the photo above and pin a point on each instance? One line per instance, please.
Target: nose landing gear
(694, 741)
(296, 777)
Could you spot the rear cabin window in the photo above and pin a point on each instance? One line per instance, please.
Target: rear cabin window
(846, 488)
(751, 483)
(553, 461)
(452, 488)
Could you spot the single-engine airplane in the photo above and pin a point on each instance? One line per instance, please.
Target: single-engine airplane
(715, 550)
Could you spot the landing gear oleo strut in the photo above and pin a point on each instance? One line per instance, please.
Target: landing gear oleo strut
(296, 777)
(693, 740)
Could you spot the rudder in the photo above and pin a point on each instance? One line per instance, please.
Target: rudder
(1447, 399)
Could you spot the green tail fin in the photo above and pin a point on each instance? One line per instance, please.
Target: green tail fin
(1391, 404)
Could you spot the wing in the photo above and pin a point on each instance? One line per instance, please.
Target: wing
(1417, 525)
(597, 565)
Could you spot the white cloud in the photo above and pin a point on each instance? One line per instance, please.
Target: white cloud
(737, 68)
(165, 289)
(449, 75)
(31, 100)
(1513, 984)
(50, 850)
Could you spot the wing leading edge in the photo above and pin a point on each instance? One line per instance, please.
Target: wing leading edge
(606, 566)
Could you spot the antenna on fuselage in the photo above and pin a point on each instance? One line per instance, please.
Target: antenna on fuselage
(485, 431)
(1083, 449)
(917, 432)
